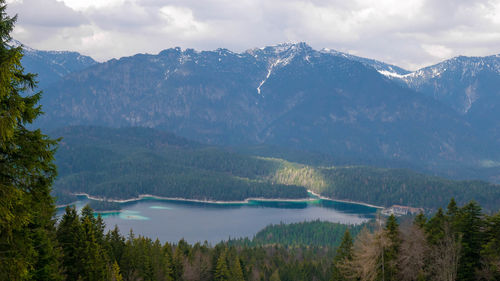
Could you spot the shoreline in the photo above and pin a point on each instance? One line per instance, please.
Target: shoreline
(345, 201)
(246, 201)
(143, 196)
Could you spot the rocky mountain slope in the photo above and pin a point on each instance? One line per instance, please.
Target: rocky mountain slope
(51, 66)
(289, 94)
(469, 85)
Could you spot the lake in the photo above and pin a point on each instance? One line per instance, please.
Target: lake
(171, 220)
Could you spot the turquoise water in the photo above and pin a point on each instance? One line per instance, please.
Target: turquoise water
(171, 220)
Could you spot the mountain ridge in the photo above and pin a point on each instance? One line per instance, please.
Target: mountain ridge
(286, 95)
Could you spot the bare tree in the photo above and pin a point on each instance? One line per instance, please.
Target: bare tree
(198, 268)
(367, 263)
(444, 256)
(412, 254)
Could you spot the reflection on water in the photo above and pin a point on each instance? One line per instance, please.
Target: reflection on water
(160, 208)
(171, 220)
(129, 215)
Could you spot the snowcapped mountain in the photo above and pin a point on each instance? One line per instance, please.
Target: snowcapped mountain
(469, 85)
(459, 82)
(383, 68)
(51, 66)
(288, 95)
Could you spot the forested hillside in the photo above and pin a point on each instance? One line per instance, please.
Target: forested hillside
(309, 233)
(288, 95)
(124, 163)
(386, 187)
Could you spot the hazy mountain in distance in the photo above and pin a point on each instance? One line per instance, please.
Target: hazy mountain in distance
(382, 67)
(51, 66)
(288, 94)
(460, 82)
(469, 85)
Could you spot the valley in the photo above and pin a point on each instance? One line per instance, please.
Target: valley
(124, 157)
(350, 109)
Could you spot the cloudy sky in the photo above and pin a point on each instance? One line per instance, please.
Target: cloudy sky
(408, 33)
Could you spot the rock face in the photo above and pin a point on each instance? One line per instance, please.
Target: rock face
(289, 95)
(469, 85)
(460, 82)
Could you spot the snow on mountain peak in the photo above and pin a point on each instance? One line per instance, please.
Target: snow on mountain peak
(15, 43)
(392, 74)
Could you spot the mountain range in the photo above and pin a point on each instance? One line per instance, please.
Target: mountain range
(51, 66)
(439, 118)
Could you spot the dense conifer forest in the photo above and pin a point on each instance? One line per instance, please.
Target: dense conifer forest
(309, 233)
(386, 187)
(124, 163)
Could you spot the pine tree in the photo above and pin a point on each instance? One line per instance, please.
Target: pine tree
(391, 252)
(27, 245)
(115, 244)
(116, 275)
(420, 220)
(345, 248)
(491, 250)
(469, 223)
(275, 276)
(343, 255)
(221, 270)
(435, 227)
(70, 236)
(178, 263)
(452, 208)
(236, 271)
(169, 269)
(93, 257)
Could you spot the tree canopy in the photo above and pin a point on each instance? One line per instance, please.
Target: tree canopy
(27, 247)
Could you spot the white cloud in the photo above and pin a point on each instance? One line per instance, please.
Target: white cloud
(82, 5)
(438, 51)
(410, 33)
(181, 20)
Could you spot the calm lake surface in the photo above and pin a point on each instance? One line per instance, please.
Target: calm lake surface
(171, 220)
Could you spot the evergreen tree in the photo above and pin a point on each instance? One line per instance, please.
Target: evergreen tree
(94, 259)
(128, 261)
(98, 225)
(115, 244)
(344, 250)
(116, 275)
(221, 270)
(344, 254)
(392, 251)
(70, 236)
(178, 262)
(452, 208)
(435, 227)
(27, 245)
(491, 250)
(469, 224)
(169, 269)
(236, 271)
(420, 220)
(275, 276)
